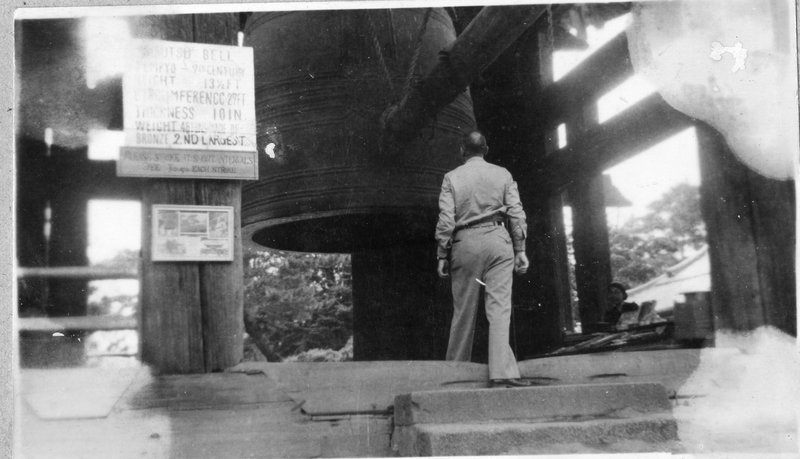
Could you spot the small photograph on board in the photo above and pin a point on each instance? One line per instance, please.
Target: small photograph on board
(218, 225)
(167, 223)
(194, 222)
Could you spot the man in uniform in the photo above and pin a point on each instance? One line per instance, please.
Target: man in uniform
(476, 248)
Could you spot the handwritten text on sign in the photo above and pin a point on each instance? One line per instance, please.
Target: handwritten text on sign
(189, 96)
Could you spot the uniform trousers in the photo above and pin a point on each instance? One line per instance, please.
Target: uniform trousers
(482, 255)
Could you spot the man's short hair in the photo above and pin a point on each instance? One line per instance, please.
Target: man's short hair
(474, 144)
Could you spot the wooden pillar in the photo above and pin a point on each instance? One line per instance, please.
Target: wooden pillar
(751, 236)
(69, 229)
(31, 201)
(542, 295)
(192, 312)
(592, 252)
(401, 309)
(513, 125)
(589, 228)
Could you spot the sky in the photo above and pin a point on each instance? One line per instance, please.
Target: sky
(114, 226)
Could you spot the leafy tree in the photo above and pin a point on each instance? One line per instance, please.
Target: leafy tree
(296, 302)
(646, 246)
(120, 303)
(124, 259)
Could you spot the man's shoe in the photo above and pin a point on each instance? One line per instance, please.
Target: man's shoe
(516, 382)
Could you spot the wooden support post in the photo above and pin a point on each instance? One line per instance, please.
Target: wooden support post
(171, 316)
(31, 201)
(69, 230)
(541, 297)
(192, 312)
(221, 285)
(592, 253)
(506, 114)
(751, 236)
(589, 228)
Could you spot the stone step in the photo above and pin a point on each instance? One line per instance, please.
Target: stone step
(546, 403)
(630, 418)
(646, 434)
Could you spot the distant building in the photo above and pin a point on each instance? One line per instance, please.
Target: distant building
(690, 275)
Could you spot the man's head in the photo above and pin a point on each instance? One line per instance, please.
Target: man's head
(617, 292)
(474, 144)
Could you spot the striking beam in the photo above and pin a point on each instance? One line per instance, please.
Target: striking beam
(493, 30)
(645, 124)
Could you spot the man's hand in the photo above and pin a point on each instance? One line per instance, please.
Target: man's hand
(521, 263)
(443, 269)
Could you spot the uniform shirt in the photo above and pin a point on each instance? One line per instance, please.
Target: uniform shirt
(478, 192)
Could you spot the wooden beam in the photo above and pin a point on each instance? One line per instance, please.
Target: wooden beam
(95, 179)
(602, 71)
(645, 124)
(485, 38)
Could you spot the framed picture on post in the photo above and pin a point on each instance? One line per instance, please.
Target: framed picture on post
(192, 233)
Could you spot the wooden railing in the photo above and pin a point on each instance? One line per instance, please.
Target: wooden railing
(82, 323)
(78, 272)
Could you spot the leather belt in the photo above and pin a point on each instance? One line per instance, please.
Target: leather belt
(481, 225)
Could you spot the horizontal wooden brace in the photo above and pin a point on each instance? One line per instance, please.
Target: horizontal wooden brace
(78, 272)
(605, 145)
(601, 72)
(83, 323)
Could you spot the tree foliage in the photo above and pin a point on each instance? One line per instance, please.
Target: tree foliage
(646, 246)
(296, 302)
(116, 303)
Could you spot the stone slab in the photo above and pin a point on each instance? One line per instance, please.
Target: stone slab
(75, 393)
(357, 436)
(345, 388)
(550, 403)
(671, 368)
(201, 391)
(648, 434)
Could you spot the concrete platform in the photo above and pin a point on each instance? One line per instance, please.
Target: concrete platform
(719, 397)
(326, 388)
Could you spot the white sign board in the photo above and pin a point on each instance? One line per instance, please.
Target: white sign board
(192, 233)
(184, 102)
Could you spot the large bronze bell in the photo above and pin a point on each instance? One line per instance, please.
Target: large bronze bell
(330, 179)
